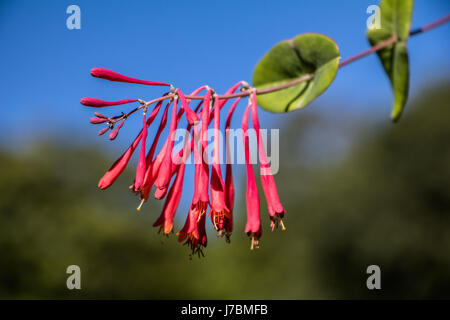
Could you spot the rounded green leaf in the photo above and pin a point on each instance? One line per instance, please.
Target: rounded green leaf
(395, 23)
(310, 56)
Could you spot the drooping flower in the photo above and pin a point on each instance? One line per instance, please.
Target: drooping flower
(276, 210)
(141, 166)
(229, 187)
(223, 220)
(151, 164)
(253, 226)
(220, 213)
(194, 231)
(165, 220)
(114, 76)
(200, 200)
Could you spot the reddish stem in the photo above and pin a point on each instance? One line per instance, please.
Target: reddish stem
(305, 77)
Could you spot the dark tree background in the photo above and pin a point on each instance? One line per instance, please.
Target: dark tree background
(386, 202)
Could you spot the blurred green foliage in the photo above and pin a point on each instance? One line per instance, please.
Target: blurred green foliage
(386, 203)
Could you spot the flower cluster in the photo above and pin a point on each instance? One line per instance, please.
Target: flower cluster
(158, 170)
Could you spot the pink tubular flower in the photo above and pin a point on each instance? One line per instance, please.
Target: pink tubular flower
(140, 170)
(117, 168)
(114, 76)
(200, 199)
(161, 193)
(97, 103)
(165, 220)
(276, 210)
(253, 226)
(229, 187)
(220, 213)
(150, 164)
(194, 231)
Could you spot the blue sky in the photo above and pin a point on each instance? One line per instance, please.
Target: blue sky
(45, 67)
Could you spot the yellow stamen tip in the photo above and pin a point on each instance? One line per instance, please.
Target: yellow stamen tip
(140, 205)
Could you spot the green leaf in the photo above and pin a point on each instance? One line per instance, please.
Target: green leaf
(395, 23)
(310, 55)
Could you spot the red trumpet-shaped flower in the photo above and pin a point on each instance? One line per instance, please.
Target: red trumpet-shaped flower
(253, 226)
(200, 199)
(229, 186)
(140, 170)
(165, 220)
(222, 196)
(151, 164)
(194, 231)
(220, 213)
(114, 76)
(276, 210)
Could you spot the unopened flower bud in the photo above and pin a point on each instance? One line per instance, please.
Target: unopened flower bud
(103, 131)
(115, 132)
(96, 120)
(98, 103)
(98, 114)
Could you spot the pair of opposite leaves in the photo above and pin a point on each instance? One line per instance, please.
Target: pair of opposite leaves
(314, 58)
